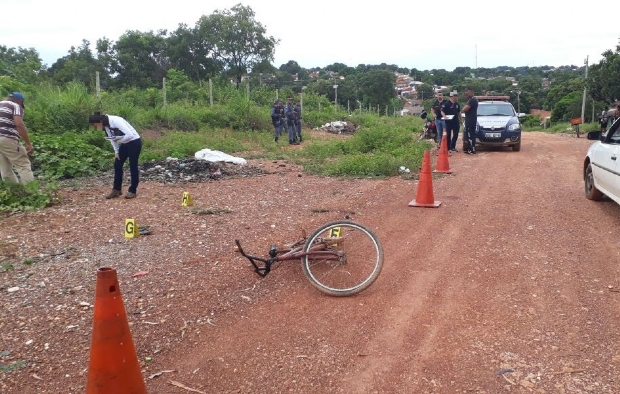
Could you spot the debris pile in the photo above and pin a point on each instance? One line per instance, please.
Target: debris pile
(172, 170)
(339, 127)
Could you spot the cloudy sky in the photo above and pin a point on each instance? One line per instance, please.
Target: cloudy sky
(412, 34)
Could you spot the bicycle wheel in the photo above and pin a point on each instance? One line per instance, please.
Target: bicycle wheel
(354, 264)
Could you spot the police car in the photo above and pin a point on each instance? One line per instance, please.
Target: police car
(498, 123)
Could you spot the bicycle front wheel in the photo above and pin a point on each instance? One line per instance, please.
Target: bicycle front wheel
(350, 261)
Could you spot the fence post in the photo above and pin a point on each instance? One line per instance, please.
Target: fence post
(164, 89)
(98, 85)
(211, 92)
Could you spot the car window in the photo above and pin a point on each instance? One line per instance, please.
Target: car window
(497, 109)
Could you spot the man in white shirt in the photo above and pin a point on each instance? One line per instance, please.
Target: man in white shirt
(127, 144)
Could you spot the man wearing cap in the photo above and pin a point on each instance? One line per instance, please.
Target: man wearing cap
(12, 152)
(276, 118)
(452, 110)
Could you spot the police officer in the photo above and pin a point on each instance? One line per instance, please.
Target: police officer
(276, 118)
(297, 110)
(289, 110)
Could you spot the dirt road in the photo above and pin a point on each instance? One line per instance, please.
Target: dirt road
(516, 272)
(511, 285)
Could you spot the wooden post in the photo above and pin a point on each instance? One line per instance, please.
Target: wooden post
(97, 85)
(164, 90)
(211, 92)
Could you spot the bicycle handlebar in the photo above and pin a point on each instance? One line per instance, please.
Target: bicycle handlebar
(262, 271)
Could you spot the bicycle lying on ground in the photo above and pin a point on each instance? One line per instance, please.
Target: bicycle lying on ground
(340, 258)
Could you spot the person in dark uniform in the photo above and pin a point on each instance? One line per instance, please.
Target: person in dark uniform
(471, 121)
(276, 118)
(297, 110)
(289, 110)
(453, 110)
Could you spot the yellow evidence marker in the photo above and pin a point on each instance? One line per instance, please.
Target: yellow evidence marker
(131, 228)
(187, 200)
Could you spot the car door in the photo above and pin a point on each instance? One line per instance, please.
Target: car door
(606, 163)
(614, 147)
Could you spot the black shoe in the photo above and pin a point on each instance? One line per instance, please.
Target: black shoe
(468, 152)
(276, 139)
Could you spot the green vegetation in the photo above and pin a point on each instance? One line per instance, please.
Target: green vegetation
(17, 197)
(220, 85)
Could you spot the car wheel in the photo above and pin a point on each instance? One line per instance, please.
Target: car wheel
(517, 147)
(592, 193)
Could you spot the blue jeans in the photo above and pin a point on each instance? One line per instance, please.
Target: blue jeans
(440, 124)
(131, 151)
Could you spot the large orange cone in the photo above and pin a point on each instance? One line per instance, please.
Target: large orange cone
(113, 365)
(425, 197)
(442, 159)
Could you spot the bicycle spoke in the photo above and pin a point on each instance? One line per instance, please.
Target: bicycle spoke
(355, 261)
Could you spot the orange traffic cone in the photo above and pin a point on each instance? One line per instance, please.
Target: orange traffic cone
(113, 365)
(425, 197)
(442, 159)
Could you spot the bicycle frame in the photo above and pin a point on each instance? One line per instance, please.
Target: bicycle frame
(290, 253)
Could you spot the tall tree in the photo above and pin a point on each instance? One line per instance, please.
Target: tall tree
(78, 65)
(190, 51)
(604, 80)
(238, 39)
(377, 87)
(140, 59)
(21, 64)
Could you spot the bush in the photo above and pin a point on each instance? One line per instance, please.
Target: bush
(17, 197)
(69, 155)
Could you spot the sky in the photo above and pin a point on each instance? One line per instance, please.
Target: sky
(421, 35)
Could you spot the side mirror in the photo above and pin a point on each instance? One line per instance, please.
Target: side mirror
(594, 135)
(520, 115)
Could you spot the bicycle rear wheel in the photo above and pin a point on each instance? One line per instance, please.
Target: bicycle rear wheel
(355, 264)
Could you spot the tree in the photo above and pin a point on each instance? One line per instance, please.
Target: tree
(79, 65)
(377, 87)
(568, 107)
(604, 78)
(237, 39)
(140, 59)
(190, 51)
(22, 65)
(425, 91)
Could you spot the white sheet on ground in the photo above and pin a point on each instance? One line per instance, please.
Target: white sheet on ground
(216, 155)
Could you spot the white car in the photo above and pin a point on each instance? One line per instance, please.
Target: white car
(601, 168)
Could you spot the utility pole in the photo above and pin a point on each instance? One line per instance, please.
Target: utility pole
(585, 88)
